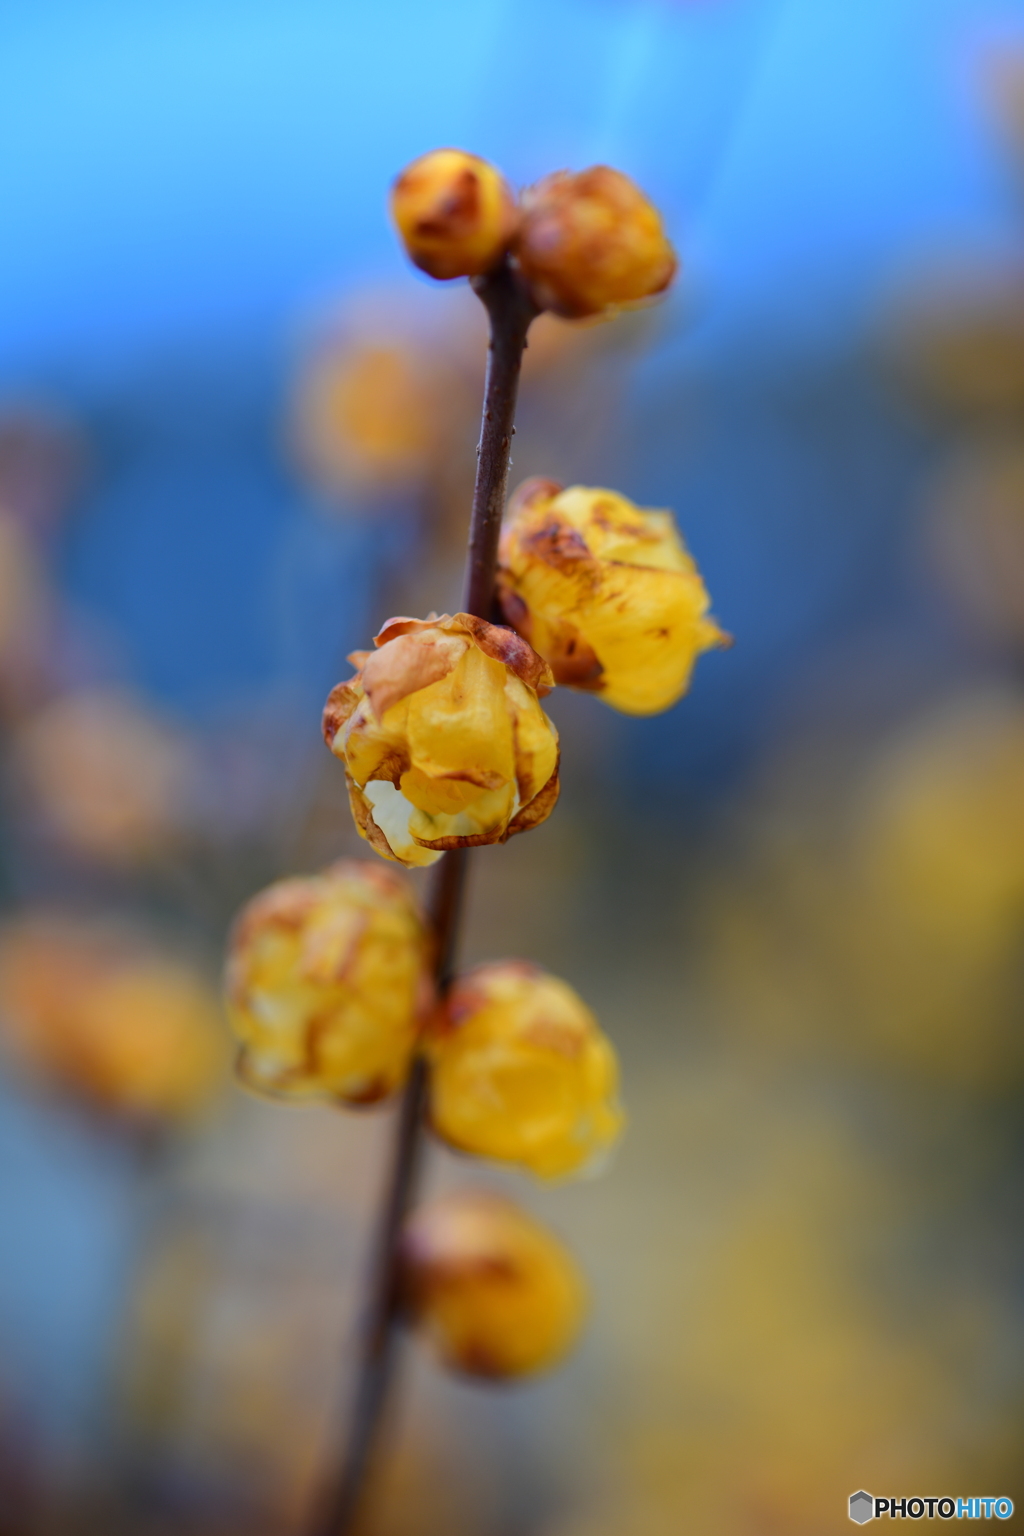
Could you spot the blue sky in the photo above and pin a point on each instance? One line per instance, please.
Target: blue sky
(176, 168)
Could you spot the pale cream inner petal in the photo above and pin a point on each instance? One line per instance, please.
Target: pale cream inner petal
(391, 812)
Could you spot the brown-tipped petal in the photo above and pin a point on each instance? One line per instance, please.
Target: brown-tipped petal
(401, 624)
(574, 663)
(537, 488)
(362, 815)
(538, 809)
(562, 547)
(504, 645)
(407, 663)
(494, 640)
(341, 703)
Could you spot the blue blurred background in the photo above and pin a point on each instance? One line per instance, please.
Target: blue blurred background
(798, 896)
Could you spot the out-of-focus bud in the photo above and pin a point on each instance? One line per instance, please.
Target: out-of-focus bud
(606, 592)
(109, 780)
(326, 985)
(591, 242)
(367, 417)
(496, 1293)
(99, 1011)
(443, 739)
(456, 213)
(521, 1072)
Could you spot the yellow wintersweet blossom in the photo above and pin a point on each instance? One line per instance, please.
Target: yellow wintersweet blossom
(99, 1011)
(521, 1072)
(443, 739)
(591, 243)
(326, 983)
(455, 213)
(606, 592)
(495, 1292)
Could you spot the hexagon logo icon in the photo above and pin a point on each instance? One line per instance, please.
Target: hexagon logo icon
(862, 1507)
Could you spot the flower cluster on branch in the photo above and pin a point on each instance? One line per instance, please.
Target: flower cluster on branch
(337, 987)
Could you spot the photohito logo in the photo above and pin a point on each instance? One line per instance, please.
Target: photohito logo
(864, 1506)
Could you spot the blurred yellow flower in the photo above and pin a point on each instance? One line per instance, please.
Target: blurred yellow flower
(496, 1293)
(455, 213)
(942, 834)
(606, 592)
(109, 780)
(443, 739)
(367, 416)
(521, 1072)
(591, 242)
(904, 932)
(102, 1013)
(954, 343)
(326, 983)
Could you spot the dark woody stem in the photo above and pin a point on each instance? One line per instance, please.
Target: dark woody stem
(511, 312)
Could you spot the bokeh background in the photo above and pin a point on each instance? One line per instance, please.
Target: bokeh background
(236, 432)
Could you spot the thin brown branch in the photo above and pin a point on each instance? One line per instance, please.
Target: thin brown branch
(511, 311)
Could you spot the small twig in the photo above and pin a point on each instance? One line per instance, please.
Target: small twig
(511, 312)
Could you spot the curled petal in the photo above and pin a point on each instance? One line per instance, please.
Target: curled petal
(341, 702)
(495, 640)
(539, 808)
(410, 662)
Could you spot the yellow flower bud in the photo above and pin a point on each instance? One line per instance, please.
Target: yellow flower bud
(455, 213)
(592, 242)
(496, 1293)
(99, 1011)
(326, 983)
(443, 739)
(521, 1072)
(606, 592)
